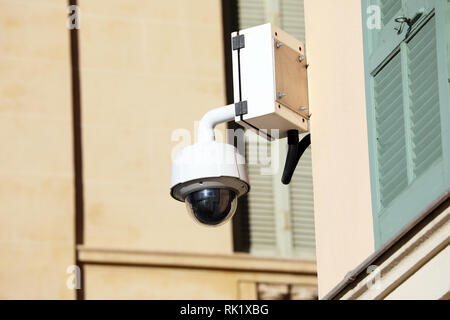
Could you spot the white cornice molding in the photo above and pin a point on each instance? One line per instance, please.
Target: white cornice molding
(232, 262)
(411, 256)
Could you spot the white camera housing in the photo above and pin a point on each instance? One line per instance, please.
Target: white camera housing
(208, 165)
(210, 176)
(270, 93)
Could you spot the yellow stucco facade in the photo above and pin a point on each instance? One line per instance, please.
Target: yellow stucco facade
(94, 194)
(142, 76)
(36, 170)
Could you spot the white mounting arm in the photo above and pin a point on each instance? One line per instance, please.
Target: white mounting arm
(213, 118)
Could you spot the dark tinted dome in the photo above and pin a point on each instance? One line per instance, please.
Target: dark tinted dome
(212, 206)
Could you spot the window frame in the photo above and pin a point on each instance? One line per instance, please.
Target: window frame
(409, 204)
(283, 214)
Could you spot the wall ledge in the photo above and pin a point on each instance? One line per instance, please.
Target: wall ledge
(232, 262)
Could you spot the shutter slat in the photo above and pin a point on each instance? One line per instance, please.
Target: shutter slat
(387, 79)
(386, 133)
(251, 13)
(261, 229)
(422, 67)
(390, 174)
(423, 102)
(390, 128)
(391, 141)
(302, 208)
(428, 134)
(388, 10)
(424, 98)
(425, 124)
(292, 18)
(389, 96)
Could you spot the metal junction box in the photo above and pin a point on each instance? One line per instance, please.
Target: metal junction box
(270, 81)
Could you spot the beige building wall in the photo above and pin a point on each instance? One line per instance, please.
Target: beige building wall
(148, 71)
(124, 282)
(126, 274)
(148, 68)
(342, 199)
(36, 170)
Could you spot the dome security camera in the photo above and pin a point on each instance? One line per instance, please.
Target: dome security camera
(210, 176)
(270, 87)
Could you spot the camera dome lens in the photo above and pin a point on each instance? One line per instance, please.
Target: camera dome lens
(212, 206)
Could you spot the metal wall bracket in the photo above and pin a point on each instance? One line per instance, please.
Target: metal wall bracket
(241, 108)
(238, 42)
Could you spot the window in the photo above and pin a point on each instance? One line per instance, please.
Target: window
(407, 110)
(274, 219)
(287, 14)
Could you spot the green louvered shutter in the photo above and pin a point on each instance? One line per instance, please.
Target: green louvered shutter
(424, 99)
(302, 208)
(407, 112)
(292, 18)
(289, 13)
(301, 195)
(258, 229)
(276, 220)
(261, 218)
(251, 13)
(390, 131)
(389, 10)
